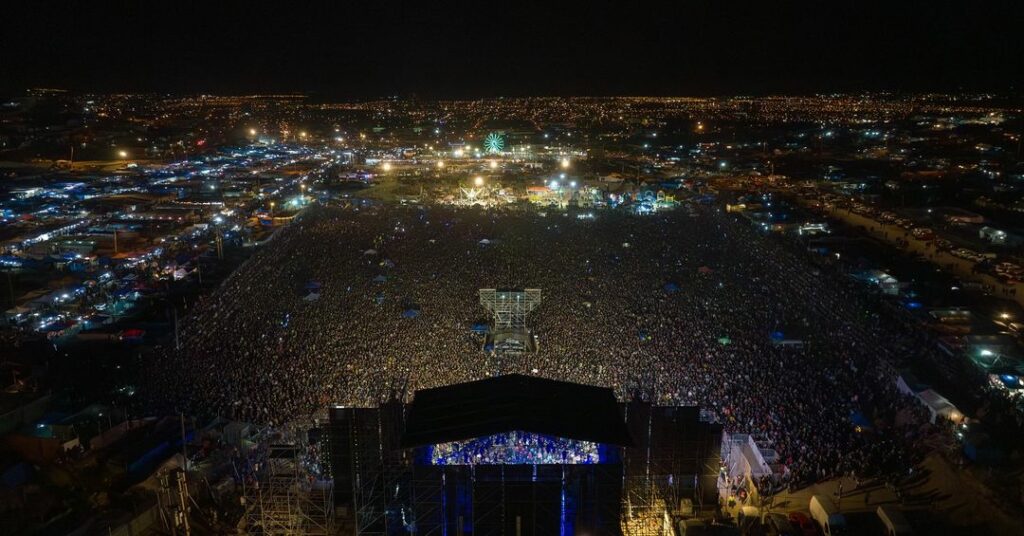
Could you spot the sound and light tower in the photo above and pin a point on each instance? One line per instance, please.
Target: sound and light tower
(509, 332)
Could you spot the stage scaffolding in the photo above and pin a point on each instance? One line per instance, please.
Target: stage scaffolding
(510, 307)
(675, 462)
(372, 471)
(286, 500)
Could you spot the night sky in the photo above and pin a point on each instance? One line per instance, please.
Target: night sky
(347, 49)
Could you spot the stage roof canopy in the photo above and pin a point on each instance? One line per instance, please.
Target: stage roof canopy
(515, 403)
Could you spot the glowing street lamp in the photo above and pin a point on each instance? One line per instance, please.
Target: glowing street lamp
(386, 166)
(252, 131)
(478, 181)
(122, 153)
(493, 164)
(565, 163)
(440, 163)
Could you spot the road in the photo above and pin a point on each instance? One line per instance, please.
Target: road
(962, 268)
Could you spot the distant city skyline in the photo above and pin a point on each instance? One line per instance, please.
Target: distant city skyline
(478, 49)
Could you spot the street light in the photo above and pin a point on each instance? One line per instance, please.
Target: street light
(478, 181)
(493, 164)
(565, 163)
(122, 154)
(252, 131)
(386, 166)
(440, 163)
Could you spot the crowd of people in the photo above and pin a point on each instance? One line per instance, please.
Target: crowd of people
(676, 307)
(515, 448)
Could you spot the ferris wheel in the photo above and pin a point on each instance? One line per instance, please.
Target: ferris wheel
(494, 143)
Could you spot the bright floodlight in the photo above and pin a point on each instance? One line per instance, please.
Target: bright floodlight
(386, 166)
(252, 131)
(122, 154)
(440, 163)
(565, 163)
(494, 164)
(572, 184)
(478, 181)
(302, 134)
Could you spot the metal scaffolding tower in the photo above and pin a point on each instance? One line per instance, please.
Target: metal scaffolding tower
(287, 500)
(676, 460)
(510, 307)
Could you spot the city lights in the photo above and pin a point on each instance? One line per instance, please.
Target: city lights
(766, 231)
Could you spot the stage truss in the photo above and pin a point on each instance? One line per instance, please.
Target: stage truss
(286, 501)
(510, 307)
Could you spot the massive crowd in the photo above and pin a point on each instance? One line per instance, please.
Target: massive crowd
(676, 307)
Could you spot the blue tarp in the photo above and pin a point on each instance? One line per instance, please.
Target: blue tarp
(411, 313)
(858, 419)
(479, 327)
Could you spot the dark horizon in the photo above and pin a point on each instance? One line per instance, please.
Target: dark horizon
(476, 49)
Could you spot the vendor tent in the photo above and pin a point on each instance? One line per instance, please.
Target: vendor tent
(938, 406)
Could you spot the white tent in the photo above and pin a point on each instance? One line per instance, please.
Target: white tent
(938, 405)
